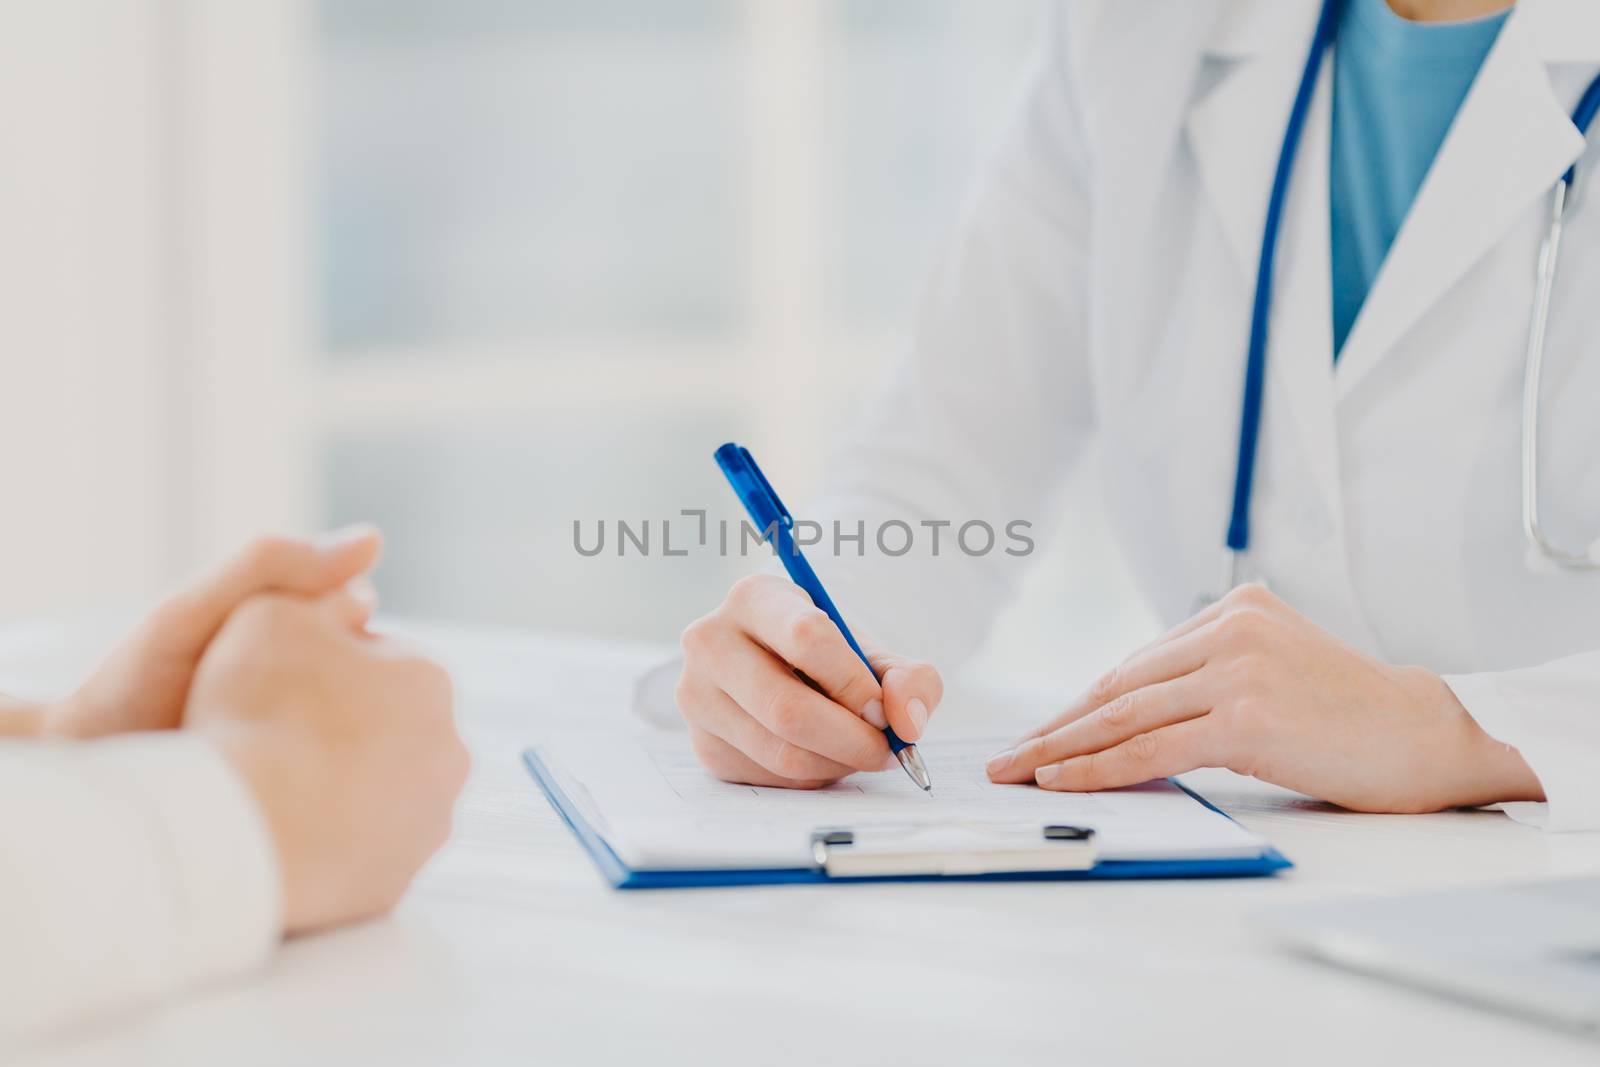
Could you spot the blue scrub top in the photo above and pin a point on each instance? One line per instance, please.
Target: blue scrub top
(1397, 86)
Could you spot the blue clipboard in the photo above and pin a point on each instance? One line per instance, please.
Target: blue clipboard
(622, 876)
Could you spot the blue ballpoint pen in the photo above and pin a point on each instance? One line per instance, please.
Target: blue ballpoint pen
(775, 523)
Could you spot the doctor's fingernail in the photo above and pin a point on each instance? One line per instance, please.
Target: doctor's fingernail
(919, 714)
(333, 540)
(1000, 761)
(873, 713)
(1047, 774)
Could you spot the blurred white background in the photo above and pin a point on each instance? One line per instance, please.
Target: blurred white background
(473, 270)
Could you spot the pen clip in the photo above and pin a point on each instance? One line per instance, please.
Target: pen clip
(755, 492)
(766, 486)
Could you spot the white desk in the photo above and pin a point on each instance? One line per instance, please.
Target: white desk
(510, 949)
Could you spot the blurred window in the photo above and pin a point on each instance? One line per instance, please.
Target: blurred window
(566, 245)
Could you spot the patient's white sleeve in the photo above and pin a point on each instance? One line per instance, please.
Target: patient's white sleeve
(1551, 715)
(130, 869)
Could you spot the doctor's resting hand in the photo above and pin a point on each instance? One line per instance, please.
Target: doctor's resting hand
(1252, 685)
(773, 694)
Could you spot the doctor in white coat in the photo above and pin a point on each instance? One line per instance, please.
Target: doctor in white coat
(1393, 639)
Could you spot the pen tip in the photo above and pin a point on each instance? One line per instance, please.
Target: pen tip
(911, 760)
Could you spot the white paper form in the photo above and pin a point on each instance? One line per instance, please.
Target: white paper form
(659, 810)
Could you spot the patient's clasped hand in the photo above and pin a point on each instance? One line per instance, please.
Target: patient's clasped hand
(249, 762)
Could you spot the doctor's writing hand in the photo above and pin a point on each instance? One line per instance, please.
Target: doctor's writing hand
(753, 716)
(1252, 685)
(143, 683)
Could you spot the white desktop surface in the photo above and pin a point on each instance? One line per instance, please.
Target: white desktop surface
(510, 949)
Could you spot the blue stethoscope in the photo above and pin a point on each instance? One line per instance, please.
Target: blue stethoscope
(1563, 199)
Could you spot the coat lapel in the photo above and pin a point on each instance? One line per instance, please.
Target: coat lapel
(1152, 85)
(1509, 144)
(1236, 129)
(1562, 31)
(1236, 133)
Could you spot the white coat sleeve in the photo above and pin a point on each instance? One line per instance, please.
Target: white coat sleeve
(983, 419)
(130, 869)
(1551, 715)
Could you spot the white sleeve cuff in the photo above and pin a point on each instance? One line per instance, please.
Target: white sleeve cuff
(130, 869)
(1547, 714)
(221, 865)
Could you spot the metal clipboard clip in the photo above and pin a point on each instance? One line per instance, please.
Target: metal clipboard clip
(948, 849)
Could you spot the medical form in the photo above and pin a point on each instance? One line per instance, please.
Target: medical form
(657, 808)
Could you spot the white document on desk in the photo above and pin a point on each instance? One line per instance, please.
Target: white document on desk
(658, 809)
